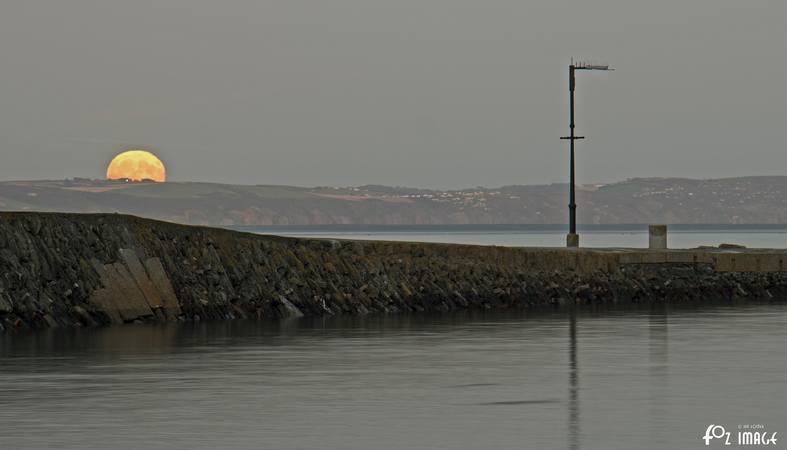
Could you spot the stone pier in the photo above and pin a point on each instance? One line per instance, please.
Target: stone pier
(84, 270)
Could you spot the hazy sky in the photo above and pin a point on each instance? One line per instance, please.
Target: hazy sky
(431, 93)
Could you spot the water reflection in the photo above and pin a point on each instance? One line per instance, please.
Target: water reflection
(573, 377)
(651, 377)
(658, 357)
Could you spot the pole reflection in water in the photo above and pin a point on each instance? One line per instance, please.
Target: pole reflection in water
(573, 391)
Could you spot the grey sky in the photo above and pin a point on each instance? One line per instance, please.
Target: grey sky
(431, 93)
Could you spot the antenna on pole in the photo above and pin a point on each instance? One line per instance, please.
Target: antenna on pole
(590, 65)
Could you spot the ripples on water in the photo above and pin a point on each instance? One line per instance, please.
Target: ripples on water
(612, 378)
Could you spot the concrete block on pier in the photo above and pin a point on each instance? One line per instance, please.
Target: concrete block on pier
(657, 237)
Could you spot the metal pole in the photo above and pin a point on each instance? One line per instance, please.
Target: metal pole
(572, 239)
(572, 205)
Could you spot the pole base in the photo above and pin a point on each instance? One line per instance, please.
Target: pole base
(572, 240)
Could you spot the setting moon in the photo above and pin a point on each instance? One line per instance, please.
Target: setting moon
(136, 165)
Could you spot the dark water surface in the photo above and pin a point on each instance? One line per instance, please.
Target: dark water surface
(591, 379)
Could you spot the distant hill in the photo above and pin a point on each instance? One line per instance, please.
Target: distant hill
(746, 200)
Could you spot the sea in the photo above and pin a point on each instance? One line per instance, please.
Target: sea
(602, 377)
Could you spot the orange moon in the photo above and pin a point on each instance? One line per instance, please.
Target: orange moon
(136, 165)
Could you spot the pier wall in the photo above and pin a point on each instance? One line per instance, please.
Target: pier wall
(95, 269)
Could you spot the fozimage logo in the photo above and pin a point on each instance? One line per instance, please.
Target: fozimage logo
(747, 434)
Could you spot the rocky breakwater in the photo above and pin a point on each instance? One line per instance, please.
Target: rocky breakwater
(82, 270)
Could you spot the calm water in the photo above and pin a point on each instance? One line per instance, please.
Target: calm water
(590, 379)
(680, 236)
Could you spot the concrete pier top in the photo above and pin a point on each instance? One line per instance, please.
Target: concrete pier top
(581, 259)
(612, 258)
